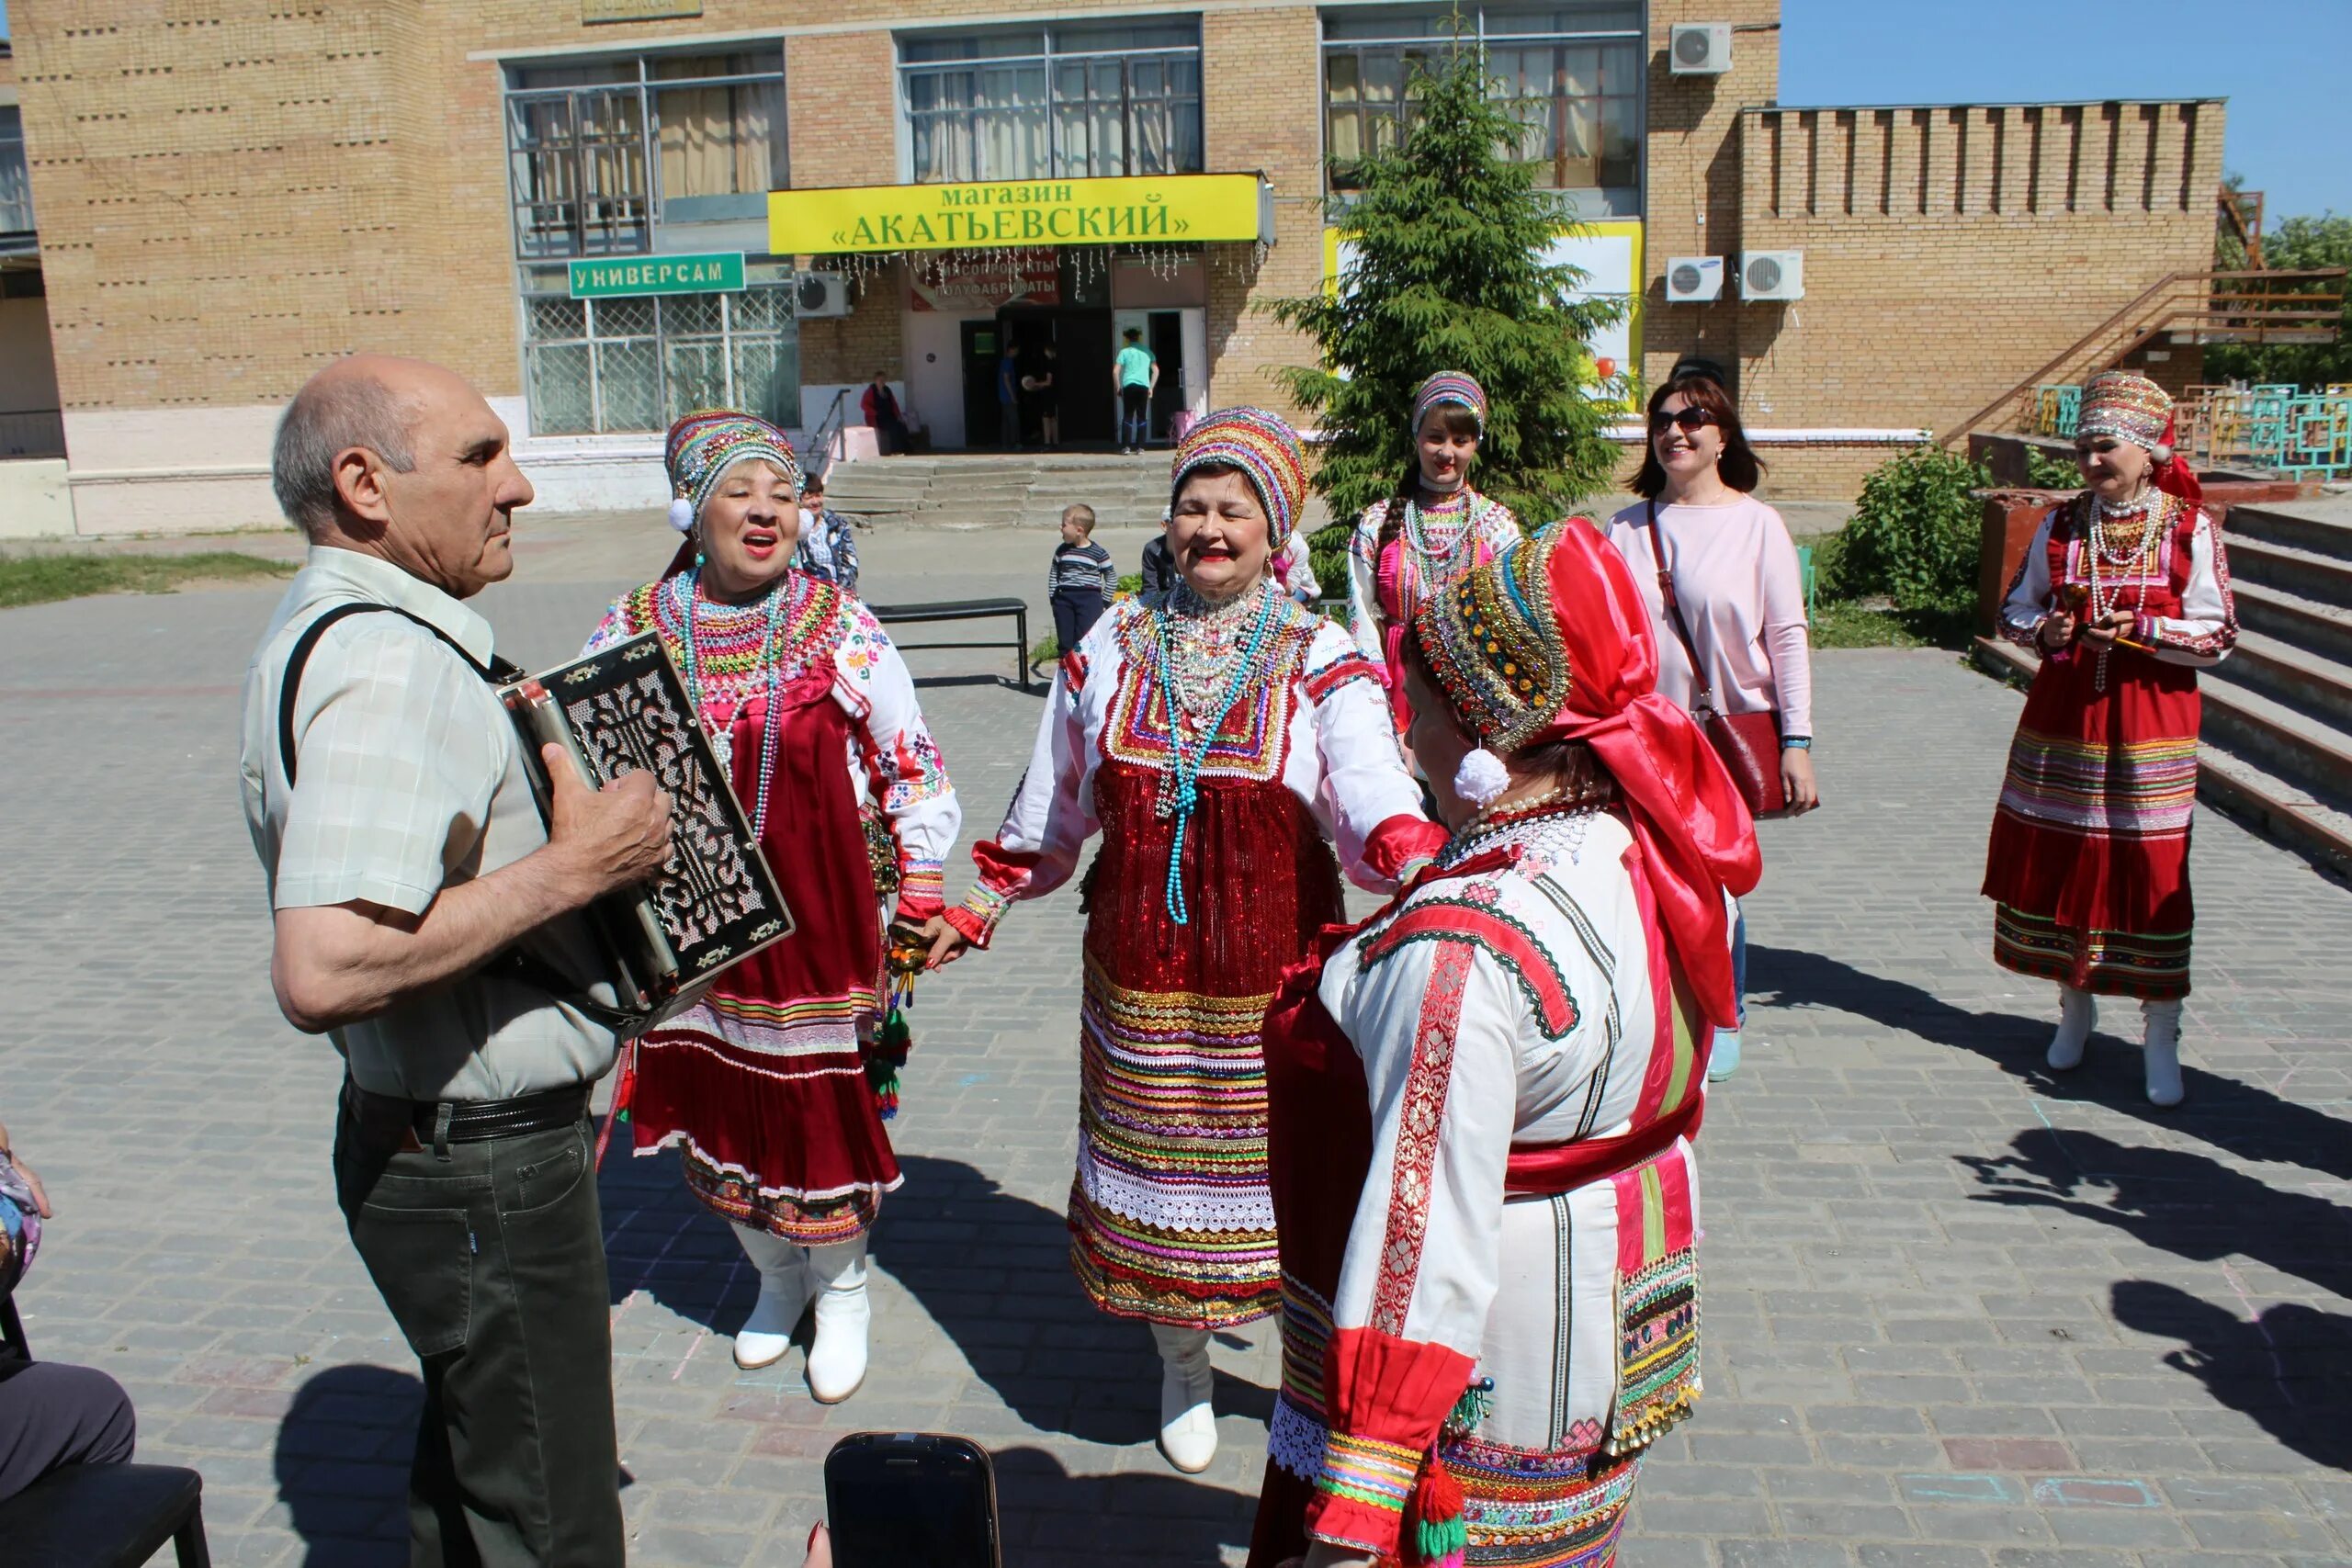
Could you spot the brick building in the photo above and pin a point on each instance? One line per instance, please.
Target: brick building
(230, 192)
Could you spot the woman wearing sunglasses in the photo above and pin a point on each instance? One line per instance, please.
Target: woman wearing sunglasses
(1733, 640)
(2125, 595)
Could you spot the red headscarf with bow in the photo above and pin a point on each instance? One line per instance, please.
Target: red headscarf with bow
(1552, 642)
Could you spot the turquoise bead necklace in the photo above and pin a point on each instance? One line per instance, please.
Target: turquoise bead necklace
(690, 589)
(1180, 786)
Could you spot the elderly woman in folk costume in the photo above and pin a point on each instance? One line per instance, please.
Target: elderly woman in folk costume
(1435, 527)
(774, 1085)
(2125, 593)
(1482, 1099)
(1213, 734)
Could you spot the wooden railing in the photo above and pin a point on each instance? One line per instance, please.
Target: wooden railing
(2257, 305)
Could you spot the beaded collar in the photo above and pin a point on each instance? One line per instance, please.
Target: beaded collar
(1546, 833)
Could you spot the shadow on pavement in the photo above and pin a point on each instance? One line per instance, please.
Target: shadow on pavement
(342, 1462)
(1050, 1516)
(2290, 1370)
(993, 1270)
(659, 1240)
(2240, 1117)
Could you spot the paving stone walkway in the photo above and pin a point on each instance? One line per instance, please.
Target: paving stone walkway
(1958, 1314)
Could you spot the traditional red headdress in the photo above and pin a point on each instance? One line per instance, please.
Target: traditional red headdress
(2129, 407)
(1552, 641)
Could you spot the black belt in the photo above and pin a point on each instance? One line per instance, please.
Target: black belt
(391, 1122)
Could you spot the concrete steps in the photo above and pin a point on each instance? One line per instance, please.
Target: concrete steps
(1008, 490)
(2277, 746)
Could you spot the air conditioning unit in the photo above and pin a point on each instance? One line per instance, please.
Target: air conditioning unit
(1771, 274)
(820, 294)
(1699, 48)
(1693, 280)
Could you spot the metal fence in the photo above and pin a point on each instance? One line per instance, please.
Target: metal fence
(605, 365)
(38, 433)
(2282, 428)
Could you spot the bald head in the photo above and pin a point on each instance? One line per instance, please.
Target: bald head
(369, 401)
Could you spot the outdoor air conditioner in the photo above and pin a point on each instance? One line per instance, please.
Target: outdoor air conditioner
(1693, 280)
(1771, 274)
(820, 294)
(1699, 48)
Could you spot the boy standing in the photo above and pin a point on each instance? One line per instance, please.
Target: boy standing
(1135, 374)
(1082, 580)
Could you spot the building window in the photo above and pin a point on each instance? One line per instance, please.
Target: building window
(602, 153)
(1061, 102)
(603, 366)
(1571, 75)
(15, 190)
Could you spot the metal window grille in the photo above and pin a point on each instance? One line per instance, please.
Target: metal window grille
(603, 366)
(1052, 108)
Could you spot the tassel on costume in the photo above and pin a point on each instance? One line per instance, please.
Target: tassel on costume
(886, 1054)
(1438, 1535)
(623, 1083)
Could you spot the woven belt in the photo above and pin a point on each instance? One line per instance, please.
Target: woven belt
(388, 1119)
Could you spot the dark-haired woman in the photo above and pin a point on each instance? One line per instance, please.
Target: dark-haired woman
(1736, 580)
(1434, 528)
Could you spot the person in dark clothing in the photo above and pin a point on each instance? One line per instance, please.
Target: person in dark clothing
(1044, 398)
(51, 1415)
(880, 406)
(1008, 399)
(1159, 565)
(1082, 580)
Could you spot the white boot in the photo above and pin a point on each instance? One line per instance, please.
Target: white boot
(837, 1360)
(784, 1295)
(2077, 1014)
(1187, 1422)
(2163, 1020)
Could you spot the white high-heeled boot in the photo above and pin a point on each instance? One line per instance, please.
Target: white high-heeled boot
(837, 1359)
(784, 1295)
(1187, 1421)
(2163, 1021)
(2077, 1014)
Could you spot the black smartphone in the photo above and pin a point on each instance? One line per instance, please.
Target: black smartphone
(910, 1500)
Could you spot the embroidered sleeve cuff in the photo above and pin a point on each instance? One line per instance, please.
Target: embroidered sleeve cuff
(923, 890)
(975, 919)
(1387, 1399)
(1360, 1496)
(1397, 844)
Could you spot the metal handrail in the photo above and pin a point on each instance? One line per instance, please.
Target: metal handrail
(823, 448)
(2131, 321)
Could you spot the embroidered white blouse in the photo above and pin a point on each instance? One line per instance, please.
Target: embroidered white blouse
(2201, 636)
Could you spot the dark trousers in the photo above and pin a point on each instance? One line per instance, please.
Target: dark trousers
(53, 1415)
(1008, 425)
(1075, 613)
(492, 1263)
(1134, 415)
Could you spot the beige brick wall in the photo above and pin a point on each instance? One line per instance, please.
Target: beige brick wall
(1260, 93)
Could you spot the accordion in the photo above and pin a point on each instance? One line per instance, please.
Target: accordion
(623, 710)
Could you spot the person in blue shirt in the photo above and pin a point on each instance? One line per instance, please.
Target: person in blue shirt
(1137, 376)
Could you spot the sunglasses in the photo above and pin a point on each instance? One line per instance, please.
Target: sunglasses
(1686, 420)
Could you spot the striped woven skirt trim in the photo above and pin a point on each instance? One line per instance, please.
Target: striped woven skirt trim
(2153, 965)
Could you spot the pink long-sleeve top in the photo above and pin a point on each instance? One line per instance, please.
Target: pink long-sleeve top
(1736, 576)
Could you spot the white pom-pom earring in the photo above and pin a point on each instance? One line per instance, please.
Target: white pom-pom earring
(1481, 779)
(682, 515)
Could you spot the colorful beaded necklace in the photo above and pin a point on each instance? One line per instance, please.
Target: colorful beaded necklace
(2132, 556)
(1183, 668)
(689, 591)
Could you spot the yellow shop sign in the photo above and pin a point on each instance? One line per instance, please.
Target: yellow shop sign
(1133, 210)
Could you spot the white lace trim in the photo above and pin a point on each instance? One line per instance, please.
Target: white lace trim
(1171, 1204)
(1296, 1441)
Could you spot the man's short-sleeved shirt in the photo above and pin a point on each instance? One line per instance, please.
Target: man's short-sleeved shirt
(1134, 365)
(408, 780)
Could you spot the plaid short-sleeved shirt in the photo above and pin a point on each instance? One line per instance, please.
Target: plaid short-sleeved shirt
(408, 780)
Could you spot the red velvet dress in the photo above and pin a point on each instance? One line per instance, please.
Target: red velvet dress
(2088, 860)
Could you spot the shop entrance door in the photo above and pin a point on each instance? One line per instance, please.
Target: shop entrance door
(981, 346)
(1090, 408)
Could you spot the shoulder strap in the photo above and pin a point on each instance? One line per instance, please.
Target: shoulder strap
(1702, 693)
(498, 670)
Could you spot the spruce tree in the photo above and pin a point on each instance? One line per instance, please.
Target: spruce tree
(1449, 233)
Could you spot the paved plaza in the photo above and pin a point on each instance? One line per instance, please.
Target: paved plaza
(1959, 1314)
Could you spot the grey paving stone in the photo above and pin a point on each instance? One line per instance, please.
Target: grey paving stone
(1914, 1231)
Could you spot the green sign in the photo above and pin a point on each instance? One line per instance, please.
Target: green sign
(720, 272)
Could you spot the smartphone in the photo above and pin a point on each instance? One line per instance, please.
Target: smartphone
(910, 1500)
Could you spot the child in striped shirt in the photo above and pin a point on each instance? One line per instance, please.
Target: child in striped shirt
(1082, 580)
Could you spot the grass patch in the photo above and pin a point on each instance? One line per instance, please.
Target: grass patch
(1045, 652)
(41, 580)
(1855, 623)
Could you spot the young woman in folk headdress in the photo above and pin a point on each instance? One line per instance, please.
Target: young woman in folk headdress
(1213, 734)
(763, 1084)
(2125, 593)
(1435, 527)
(1482, 1099)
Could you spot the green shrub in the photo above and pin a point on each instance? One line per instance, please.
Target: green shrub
(1915, 535)
(2045, 470)
(1131, 583)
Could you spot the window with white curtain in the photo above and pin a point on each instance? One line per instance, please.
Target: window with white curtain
(1056, 102)
(602, 152)
(1570, 74)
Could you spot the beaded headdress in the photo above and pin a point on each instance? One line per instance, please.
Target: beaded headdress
(1449, 387)
(1493, 643)
(707, 443)
(1264, 448)
(2128, 407)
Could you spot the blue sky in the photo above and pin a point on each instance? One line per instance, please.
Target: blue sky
(2283, 66)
